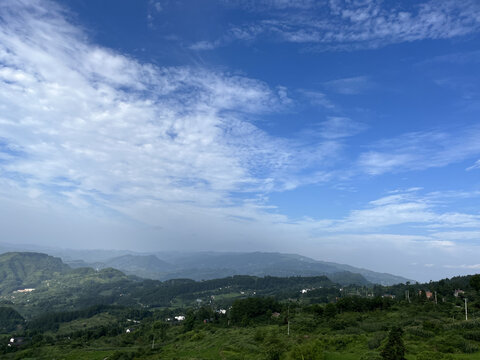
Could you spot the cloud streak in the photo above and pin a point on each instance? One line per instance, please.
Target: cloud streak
(421, 150)
(350, 25)
(410, 210)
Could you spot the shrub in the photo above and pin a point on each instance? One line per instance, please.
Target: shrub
(430, 355)
(371, 356)
(421, 333)
(372, 327)
(394, 349)
(376, 341)
(338, 324)
(434, 326)
(472, 335)
(309, 351)
(244, 311)
(259, 335)
(468, 347)
(274, 347)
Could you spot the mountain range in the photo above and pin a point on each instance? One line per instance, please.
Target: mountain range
(211, 265)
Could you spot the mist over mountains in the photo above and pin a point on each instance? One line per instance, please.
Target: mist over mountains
(212, 265)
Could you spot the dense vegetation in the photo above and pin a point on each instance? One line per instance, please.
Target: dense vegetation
(88, 314)
(26, 270)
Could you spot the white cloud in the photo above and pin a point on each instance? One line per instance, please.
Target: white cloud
(349, 86)
(318, 98)
(154, 8)
(474, 166)
(409, 209)
(350, 25)
(461, 58)
(158, 6)
(95, 145)
(87, 129)
(463, 266)
(339, 127)
(205, 45)
(458, 236)
(421, 150)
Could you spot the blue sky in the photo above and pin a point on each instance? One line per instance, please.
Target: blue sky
(342, 130)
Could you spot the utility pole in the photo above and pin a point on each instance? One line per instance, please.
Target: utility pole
(288, 318)
(407, 295)
(466, 310)
(435, 298)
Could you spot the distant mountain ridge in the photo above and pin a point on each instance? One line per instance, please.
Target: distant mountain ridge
(211, 265)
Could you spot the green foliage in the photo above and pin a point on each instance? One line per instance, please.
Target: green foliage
(51, 321)
(394, 348)
(259, 335)
(189, 321)
(122, 355)
(472, 335)
(475, 282)
(330, 311)
(421, 333)
(253, 309)
(430, 355)
(274, 347)
(9, 319)
(468, 347)
(84, 314)
(371, 356)
(27, 270)
(359, 304)
(433, 326)
(312, 350)
(376, 340)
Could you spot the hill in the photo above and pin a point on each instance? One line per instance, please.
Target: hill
(211, 265)
(326, 322)
(57, 287)
(20, 270)
(146, 266)
(207, 265)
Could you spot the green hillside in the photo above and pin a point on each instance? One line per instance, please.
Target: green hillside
(264, 328)
(20, 270)
(10, 320)
(88, 314)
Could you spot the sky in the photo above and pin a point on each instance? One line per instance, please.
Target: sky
(343, 130)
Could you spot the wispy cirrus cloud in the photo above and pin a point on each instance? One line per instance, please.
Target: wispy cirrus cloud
(318, 98)
(474, 166)
(334, 128)
(421, 150)
(89, 127)
(462, 58)
(349, 86)
(349, 25)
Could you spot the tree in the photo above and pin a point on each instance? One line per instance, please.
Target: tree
(475, 282)
(394, 349)
(330, 310)
(189, 322)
